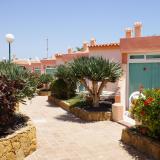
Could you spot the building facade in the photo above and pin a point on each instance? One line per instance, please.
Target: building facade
(139, 57)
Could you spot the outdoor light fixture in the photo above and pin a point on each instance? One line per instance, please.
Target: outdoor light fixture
(9, 39)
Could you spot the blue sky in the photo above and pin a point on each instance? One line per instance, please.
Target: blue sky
(67, 23)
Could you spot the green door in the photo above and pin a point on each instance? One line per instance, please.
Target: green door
(143, 74)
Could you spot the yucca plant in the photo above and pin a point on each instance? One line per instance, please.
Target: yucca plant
(97, 72)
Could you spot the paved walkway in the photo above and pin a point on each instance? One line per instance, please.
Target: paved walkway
(61, 136)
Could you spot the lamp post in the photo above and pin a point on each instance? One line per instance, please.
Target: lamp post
(9, 39)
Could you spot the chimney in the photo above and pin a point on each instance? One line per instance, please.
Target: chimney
(128, 32)
(93, 42)
(70, 51)
(85, 46)
(137, 29)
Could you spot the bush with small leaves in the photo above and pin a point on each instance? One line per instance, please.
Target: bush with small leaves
(9, 97)
(146, 109)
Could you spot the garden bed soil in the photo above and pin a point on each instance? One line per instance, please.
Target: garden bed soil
(142, 143)
(104, 106)
(19, 121)
(87, 113)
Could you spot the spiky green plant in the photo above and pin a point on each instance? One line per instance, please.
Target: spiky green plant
(98, 72)
(45, 78)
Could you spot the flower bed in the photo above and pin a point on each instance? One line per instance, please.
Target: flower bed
(142, 143)
(81, 112)
(146, 135)
(146, 109)
(19, 144)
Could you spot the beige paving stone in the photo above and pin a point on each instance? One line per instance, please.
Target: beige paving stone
(61, 136)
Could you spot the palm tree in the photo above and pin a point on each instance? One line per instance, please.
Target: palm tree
(95, 70)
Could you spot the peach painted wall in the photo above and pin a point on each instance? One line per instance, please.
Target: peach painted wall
(111, 54)
(140, 44)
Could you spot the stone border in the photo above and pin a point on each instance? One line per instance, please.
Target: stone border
(17, 107)
(19, 144)
(44, 93)
(141, 143)
(81, 113)
(90, 116)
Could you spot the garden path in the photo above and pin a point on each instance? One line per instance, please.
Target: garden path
(61, 136)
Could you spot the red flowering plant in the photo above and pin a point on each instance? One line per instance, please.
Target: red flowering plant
(146, 109)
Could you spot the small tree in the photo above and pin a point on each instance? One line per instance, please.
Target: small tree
(45, 79)
(65, 82)
(95, 70)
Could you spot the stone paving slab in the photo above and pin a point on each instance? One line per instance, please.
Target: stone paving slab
(61, 136)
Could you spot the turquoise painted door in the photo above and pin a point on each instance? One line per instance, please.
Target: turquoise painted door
(143, 74)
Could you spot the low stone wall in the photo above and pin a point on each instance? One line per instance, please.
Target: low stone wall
(59, 102)
(89, 115)
(51, 99)
(142, 143)
(17, 107)
(19, 144)
(44, 93)
(81, 113)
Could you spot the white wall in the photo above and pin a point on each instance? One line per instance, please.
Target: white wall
(111, 54)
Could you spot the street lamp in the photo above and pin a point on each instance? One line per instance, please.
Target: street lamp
(9, 39)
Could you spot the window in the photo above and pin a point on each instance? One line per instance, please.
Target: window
(154, 56)
(137, 57)
(37, 70)
(50, 70)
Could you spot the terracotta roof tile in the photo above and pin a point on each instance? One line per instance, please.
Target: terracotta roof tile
(105, 45)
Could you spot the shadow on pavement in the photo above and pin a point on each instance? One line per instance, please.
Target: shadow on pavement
(133, 152)
(71, 118)
(51, 104)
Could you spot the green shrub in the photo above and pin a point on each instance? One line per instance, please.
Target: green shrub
(65, 85)
(9, 96)
(60, 89)
(45, 78)
(16, 84)
(146, 109)
(14, 72)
